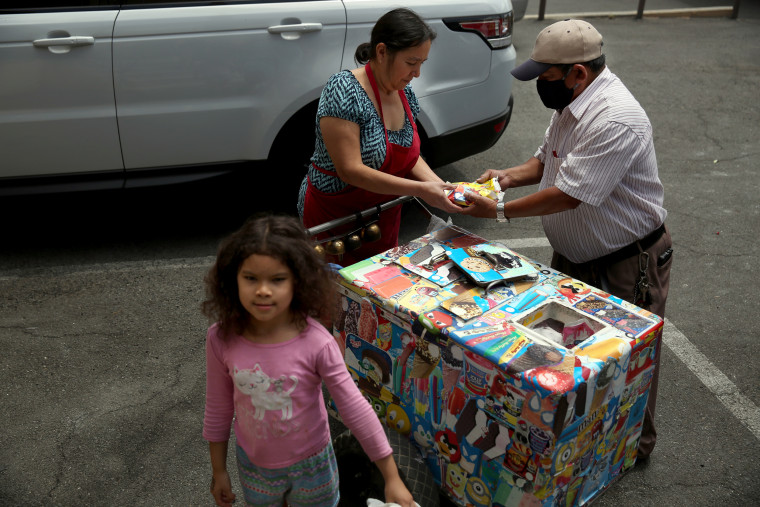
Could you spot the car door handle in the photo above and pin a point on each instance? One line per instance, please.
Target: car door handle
(74, 41)
(300, 28)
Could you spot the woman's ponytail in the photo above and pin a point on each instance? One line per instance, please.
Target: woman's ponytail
(363, 53)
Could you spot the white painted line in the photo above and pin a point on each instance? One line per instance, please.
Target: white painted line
(517, 243)
(715, 380)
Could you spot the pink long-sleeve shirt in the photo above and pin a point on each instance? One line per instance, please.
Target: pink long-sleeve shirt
(274, 392)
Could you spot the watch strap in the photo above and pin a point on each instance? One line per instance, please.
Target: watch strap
(500, 216)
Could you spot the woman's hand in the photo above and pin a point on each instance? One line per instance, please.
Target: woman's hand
(436, 194)
(221, 488)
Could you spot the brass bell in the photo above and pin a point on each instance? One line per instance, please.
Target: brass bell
(320, 250)
(371, 233)
(353, 242)
(335, 247)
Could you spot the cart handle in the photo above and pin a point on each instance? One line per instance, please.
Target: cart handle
(313, 231)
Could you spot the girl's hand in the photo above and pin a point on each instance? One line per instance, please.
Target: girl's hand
(221, 488)
(396, 492)
(395, 489)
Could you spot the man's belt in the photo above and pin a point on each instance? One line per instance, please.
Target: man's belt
(630, 250)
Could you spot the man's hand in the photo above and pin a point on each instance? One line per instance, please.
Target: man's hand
(481, 207)
(500, 175)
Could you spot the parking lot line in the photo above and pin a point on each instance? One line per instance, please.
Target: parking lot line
(715, 380)
(517, 243)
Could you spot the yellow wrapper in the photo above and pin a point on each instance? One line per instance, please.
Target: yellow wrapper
(489, 188)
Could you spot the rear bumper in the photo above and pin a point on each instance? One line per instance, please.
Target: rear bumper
(441, 150)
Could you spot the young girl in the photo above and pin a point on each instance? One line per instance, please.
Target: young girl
(267, 356)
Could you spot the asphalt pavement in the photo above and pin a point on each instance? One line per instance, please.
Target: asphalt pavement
(101, 399)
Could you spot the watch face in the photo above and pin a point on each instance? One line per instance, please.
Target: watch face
(476, 264)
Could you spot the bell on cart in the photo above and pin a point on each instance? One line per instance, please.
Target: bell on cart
(371, 233)
(335, 247)
(352, 242)
(320, 250)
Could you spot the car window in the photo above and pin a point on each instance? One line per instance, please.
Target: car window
(215, 82)
(24, 6)
(186, 3)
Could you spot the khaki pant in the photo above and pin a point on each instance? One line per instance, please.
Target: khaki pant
(619, 279)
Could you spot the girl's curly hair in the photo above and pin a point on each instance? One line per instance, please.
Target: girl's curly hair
(284, 238)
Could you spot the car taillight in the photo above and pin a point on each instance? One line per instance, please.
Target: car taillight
(496, 30)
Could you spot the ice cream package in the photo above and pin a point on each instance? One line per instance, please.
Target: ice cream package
(489, 188)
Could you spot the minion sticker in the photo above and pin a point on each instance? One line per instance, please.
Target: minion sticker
(476, 493)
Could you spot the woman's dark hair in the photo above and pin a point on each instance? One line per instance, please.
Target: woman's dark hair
(284, 238)
(398, 29)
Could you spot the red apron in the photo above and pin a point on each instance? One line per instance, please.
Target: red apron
(320, 207)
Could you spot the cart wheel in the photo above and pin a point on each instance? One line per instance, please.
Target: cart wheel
(360, 479)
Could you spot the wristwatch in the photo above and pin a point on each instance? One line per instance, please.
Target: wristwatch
(500, 216)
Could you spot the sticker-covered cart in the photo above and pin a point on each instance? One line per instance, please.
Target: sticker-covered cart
(528, 391)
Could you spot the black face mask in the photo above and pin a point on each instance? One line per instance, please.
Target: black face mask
(554, 94)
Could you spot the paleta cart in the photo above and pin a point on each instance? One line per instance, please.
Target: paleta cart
(529, 392)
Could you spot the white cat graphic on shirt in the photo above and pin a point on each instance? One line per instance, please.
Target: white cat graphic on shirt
(255, 383)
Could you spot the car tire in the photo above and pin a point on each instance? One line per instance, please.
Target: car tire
(292, 150)
(360, 479)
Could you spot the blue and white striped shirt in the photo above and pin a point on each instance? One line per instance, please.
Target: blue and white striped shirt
(600, 150)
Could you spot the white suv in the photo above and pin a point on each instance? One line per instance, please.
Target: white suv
(106, 94)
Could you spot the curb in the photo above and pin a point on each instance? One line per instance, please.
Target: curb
(700, 12)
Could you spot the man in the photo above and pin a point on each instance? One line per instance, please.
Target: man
(599, 193)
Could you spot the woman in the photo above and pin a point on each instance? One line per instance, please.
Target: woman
(367, 148)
